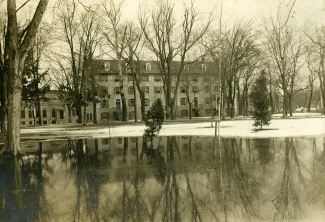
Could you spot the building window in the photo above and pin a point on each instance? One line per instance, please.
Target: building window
(186, 68)
(30, 123)
(117, 78)
(206, 78)
(145, 89)
(130, 78)
(117, 90)
(107, 66)
(89, 117)
(105, 141)
(132, 115)
(104, 115)
(131, 89)
(196, 102)
(145, 78)
(207, 88)
(118, 104)
(103, 78)
(127, 67)
(45, 122)
(53, 113)
(148, 66)
(158, 89)
(194, 78)
(104, 103)
(44, 113)
(183, 101)
(30, 113)
(157, 78)
(195, 89)
(103, 92)
(184, 113)
(204, 67)
(146, 101)
(22, 123)
(53, 122)
(182, 89)
(61, 114)
(119, 140)
(22, 114)
(131, 102)
(207, 100)
(74, 112)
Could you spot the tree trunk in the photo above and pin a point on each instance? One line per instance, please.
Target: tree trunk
(69, 114)
(290, 104)
(310, 97)
(95, 112)
(135, 101)
(190, 110)
(4, 103)
(84, 115)
(79, 112)
(124, 108)
(39, 111)
(142, 105)
(14, 83)
(172, 111)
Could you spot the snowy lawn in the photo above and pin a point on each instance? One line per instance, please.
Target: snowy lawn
(242, 128)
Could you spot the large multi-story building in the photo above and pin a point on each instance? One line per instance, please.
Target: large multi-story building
(198, 85)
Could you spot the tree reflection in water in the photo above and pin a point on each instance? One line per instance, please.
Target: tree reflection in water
(175, 179)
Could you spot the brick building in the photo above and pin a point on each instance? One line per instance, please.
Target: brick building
(199, 78)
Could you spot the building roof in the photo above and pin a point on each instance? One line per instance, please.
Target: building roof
(192, 68)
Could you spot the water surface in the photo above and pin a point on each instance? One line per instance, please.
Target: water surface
(173, 179)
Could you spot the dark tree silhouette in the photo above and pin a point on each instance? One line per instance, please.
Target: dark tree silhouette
(260, 101)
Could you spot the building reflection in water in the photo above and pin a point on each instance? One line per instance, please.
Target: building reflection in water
(179, 179)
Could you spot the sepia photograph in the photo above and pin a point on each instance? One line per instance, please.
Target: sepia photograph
(162, 110)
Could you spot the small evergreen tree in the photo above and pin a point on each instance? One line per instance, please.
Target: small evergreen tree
(260, 101)
(154, 120)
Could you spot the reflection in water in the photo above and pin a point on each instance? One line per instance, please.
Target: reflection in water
(178, 179)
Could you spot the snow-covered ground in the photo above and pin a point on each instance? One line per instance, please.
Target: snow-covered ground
(311, 126)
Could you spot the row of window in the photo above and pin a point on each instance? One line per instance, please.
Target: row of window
(107, 67)
(145, 89)
(145, 78)
(54, 114)
(183, 101)
(105, 104)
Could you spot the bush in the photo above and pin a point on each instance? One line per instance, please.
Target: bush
(155, 118)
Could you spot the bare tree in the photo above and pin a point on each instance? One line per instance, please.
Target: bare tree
(131, 56)
(16, 50)
(318, 51)
(79, 31)
(115, 35)
(284, 48)
(167, 40)
(240, 49)
(313, 67)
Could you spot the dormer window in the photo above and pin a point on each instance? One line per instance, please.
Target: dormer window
(204, 67)
(186, 68)
(148, 66)
(127, 67)
(107, 66)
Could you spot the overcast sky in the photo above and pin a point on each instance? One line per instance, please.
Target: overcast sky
(306, 12)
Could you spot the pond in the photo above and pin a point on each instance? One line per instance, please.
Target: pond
(174, 179)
